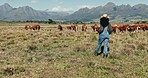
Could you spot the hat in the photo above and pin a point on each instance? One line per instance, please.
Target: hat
(105, 15)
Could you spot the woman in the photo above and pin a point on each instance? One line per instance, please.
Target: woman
(104, 35)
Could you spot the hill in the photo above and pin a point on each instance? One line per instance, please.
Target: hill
(8, 13)
(123, 12)
(117, 13)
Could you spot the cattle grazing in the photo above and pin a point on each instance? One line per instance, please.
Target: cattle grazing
(33, 27)
(84, 27)
(60, 27)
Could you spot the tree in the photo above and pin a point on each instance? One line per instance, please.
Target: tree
(50, 21)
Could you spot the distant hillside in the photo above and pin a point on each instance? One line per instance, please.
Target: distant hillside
(119, 12)
(8, 13)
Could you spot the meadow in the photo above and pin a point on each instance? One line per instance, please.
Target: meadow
(50, 53)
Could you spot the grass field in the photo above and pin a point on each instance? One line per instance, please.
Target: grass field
(50, 53)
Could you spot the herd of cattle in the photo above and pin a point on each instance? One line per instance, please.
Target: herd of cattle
(95, 27)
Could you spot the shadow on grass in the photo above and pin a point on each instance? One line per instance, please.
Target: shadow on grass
(102, 48)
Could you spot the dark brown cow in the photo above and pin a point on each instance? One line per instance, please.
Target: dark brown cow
(60, 27)
(84, 27)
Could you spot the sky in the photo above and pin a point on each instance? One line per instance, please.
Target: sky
(67, 5)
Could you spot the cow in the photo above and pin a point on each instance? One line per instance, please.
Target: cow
(84, 27)
(123, 28)
(144, 27)
(95, 27)
(27, 27)
(69, 27)
(60, 27)
(74, 27)
(132, 28)
(33, 27)
(114, 27)
(138, 26)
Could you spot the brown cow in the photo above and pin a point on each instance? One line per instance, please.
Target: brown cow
(27, 27)
(123, 28)
(60, 27)
(132, 28)
(144, 27)
(33, 27)
(84, 27)
(95, 27)
(69, 27)
(74, 27)
(114, 27)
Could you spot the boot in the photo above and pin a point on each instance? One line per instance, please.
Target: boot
(105, 56)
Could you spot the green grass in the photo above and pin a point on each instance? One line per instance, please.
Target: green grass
(50, 53)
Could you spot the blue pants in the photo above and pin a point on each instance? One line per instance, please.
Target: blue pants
(100, 41)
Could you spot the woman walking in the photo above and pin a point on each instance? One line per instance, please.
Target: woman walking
(104, 35)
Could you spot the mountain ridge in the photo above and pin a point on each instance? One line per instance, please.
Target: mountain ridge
(119, 12)
(114, 11)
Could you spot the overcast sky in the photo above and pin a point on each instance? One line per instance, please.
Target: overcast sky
(67, 5)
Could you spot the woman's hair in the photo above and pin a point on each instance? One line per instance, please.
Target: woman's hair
(104, 21)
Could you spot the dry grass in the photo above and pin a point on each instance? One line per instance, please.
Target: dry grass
(50, 53)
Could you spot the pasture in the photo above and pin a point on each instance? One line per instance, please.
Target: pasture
(50, 53)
